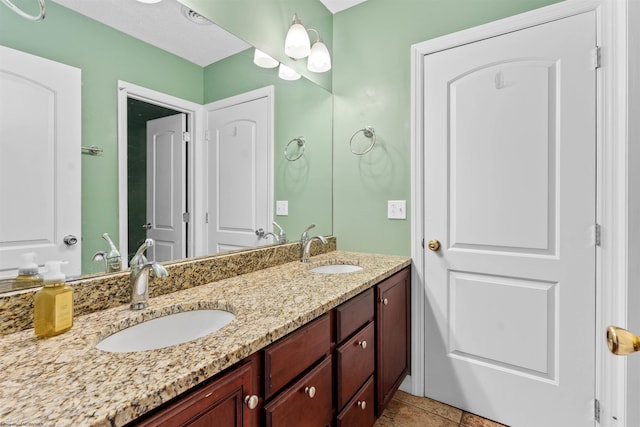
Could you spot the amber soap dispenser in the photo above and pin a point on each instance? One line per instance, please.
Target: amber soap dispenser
(53, 303)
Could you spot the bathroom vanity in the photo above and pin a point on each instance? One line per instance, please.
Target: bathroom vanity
(305, 348)
(356, 355)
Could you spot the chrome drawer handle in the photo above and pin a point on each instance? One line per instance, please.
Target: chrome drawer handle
(310, 391)
(251, 401)
(362, 344)
(362, 404)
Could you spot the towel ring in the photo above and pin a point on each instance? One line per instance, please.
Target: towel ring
(368, 132)
(16, 9)
(300, 142)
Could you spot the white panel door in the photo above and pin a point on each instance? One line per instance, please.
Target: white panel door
(39, 161)
(238, 174)
(166, 187)
(510, 160)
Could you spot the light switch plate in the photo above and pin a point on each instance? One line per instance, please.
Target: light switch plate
(397, 209)
(282, 207)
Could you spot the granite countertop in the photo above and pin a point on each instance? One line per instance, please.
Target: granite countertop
(66, 381)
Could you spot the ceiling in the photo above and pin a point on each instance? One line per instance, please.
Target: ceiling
(165, 26)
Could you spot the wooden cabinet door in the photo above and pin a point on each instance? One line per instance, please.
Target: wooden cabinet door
(392, 336)
(307, 403)
(220, 403)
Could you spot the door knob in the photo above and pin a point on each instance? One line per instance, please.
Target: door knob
(70, 240)
(434, 245)
(147, 226)
(621, 341)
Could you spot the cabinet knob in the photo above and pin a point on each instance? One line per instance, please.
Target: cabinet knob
(362, 344)
(362, 404)
(251, 401)
(310, 391)
(385, 301)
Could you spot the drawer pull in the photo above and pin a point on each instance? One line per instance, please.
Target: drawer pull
(362, 404)
(208, 394)
(310, 391)
(251, 401)
(385, 301)
(362, 344)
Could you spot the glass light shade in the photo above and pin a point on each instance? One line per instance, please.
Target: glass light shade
(319, 59)
(286, 73)
(297, 44)
(263, 60)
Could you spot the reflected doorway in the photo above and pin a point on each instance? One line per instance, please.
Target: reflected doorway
(157, 182)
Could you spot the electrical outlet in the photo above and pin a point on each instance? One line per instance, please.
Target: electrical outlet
(282, 207)
(397, 209)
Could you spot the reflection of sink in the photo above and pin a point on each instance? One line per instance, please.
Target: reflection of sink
(166, 331)
(336, 268)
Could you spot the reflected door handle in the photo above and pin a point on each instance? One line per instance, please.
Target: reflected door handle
(621, 341)
(70, 240)
(147, 226)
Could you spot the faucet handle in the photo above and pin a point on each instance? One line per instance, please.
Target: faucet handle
(309, 228)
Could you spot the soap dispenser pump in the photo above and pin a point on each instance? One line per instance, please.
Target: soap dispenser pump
(53, 303)
(28, 272)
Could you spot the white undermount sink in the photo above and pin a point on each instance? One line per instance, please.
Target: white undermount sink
(166, 331)
(335, 268)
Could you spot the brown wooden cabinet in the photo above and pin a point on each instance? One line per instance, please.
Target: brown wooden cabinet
(232, 400)
(393, 329)
(340, 369)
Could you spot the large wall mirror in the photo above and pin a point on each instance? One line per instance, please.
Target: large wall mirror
(107, 56)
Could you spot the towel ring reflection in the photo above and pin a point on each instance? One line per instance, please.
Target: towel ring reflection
(16, 9)
(300, 143)
(368, 132)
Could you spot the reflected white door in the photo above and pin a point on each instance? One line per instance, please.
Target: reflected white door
(239, 173)
(510, 184)
(166, 187)
(39, 161)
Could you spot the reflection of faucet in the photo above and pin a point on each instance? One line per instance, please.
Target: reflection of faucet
(281, 237)
(305, 243)
(139, 276)
(100, 256)
(113, 260)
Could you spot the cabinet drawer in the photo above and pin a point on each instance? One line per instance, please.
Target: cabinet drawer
(354, 314)
(295, 406)
(359, 410)
(355, 361)
(295, 353)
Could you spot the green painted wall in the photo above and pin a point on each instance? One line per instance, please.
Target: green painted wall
(104, 56)
(302, 108)
(264, 24)
(372, 86)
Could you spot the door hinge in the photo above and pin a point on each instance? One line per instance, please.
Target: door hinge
(423, 243)
(597, 57)
(186, 217)
(597, 231)
(186, 137)
(206, 218)
(596, 410)
(207, 135)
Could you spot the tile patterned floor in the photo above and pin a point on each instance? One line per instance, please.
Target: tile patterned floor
(406, 410)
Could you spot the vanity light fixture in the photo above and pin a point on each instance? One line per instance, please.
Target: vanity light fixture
(263, 60)
(286, 73)
(319, 59)
(149, 1)
(297, 44)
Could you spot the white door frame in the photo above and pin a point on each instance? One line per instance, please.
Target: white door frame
(616, 170)
(195, 195)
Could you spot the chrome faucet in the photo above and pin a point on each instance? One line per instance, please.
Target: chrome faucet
(281, 237)
(139, 277)
(305, 243)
